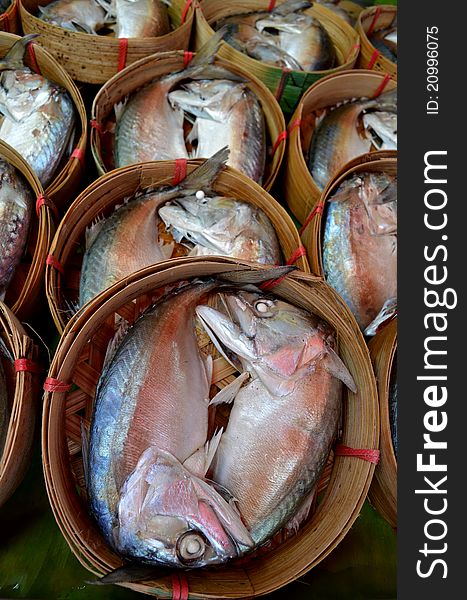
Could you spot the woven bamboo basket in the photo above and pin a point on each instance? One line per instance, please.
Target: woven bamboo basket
(9, 20)
(22, 391)
(95, 58)
(300, 189)
(153, 67)
(78, 360)
(28, 280)
(371, 19)
(70, 171)
(287, 86)
(377, 162)
(383, 490)
(101, 197)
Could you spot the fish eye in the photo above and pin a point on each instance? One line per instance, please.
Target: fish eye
(263, 307)
(190, 547)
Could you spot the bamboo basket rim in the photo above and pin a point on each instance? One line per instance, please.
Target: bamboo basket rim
(15, 454)
(251, 80)
(354, 351)
(362, 25)
(383, 490)
(295, 153)
(42, 222)
(72, 227)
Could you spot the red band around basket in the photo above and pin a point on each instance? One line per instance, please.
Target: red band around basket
(293, 125)
(122, 52)
(79, 154)
(180, 590)
(43, 200)
(382, 85)
(375, 20)
(363, 453)
(185, 10)
(25, 364)
(354, 47)
(56, 264)
(299, 252)
(280, 138)
(318, 209)
(373, 59)
(180, 170)
(272, 4)
(187, 58)
(32, 56)
(281, 85)
(97, 126)
(55, 385)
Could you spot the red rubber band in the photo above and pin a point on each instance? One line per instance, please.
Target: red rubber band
(185, 11)
(281, 85)
(382, 85)
(271, 6)
(56, 264)
(97, 126)
(293, 125)
(373, 23)
(299, 252)
(180, 170)
(180, 590)
(32, 56)
(318, 209)
(371, 456)
(122, 52)
(43, 200)
(280, 138)
(187, 58)
(373, 59)
(55, 385)
(79, 154)
(25, 364)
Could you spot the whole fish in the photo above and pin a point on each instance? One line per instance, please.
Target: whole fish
(360, 243)
(223, 226)
(87, 16)
(16, 203)
(38, 114)
(147, 449)
(339, 136)
(141, 18)
(128, 240)
(227, 114)
(303, 43)
(283, 422)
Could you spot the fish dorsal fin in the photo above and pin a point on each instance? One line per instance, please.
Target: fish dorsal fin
(92, 231)
(334, 366)
(14, 58)
(202, 177)
(122, 329)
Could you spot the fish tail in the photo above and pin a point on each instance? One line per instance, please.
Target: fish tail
(206, 54)
(202, 177)
(388, 101)
(14, 58)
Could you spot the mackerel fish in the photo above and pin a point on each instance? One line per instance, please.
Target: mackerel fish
(38, 115)
(16, 203)
(148, 452)
(284, 420)
(360, 243)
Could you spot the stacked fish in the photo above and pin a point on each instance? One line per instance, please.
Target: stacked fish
(285, 37)
(206, 223)
(161, 491)
(123, 18)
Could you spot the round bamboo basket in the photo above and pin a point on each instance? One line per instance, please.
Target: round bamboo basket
(153, 67)
(383, 490)
(70, 171)
(300, 189)
(78, 361)
(101, 197)
(9, 20)
(28, 280)
(95, 58)
(287, 86)
(376, 162)
(371, 19)
(22, 391)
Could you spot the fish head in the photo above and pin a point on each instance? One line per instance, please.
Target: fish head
(279, 342)
(167, 515)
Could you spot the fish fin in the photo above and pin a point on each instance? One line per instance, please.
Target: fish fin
(301, 515)
(132, 573)
(386, 314)
(114, 343)
(84, 427)
(206, 54)
(92, 231)
(14, 58)
(202, 177)
(79, 27)
(334, 366)
(193, 135)
(119, 107)
(199, 462)
(227, 394)
(209, 367)
(291, 6)
(109, 8)
(166, 249)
